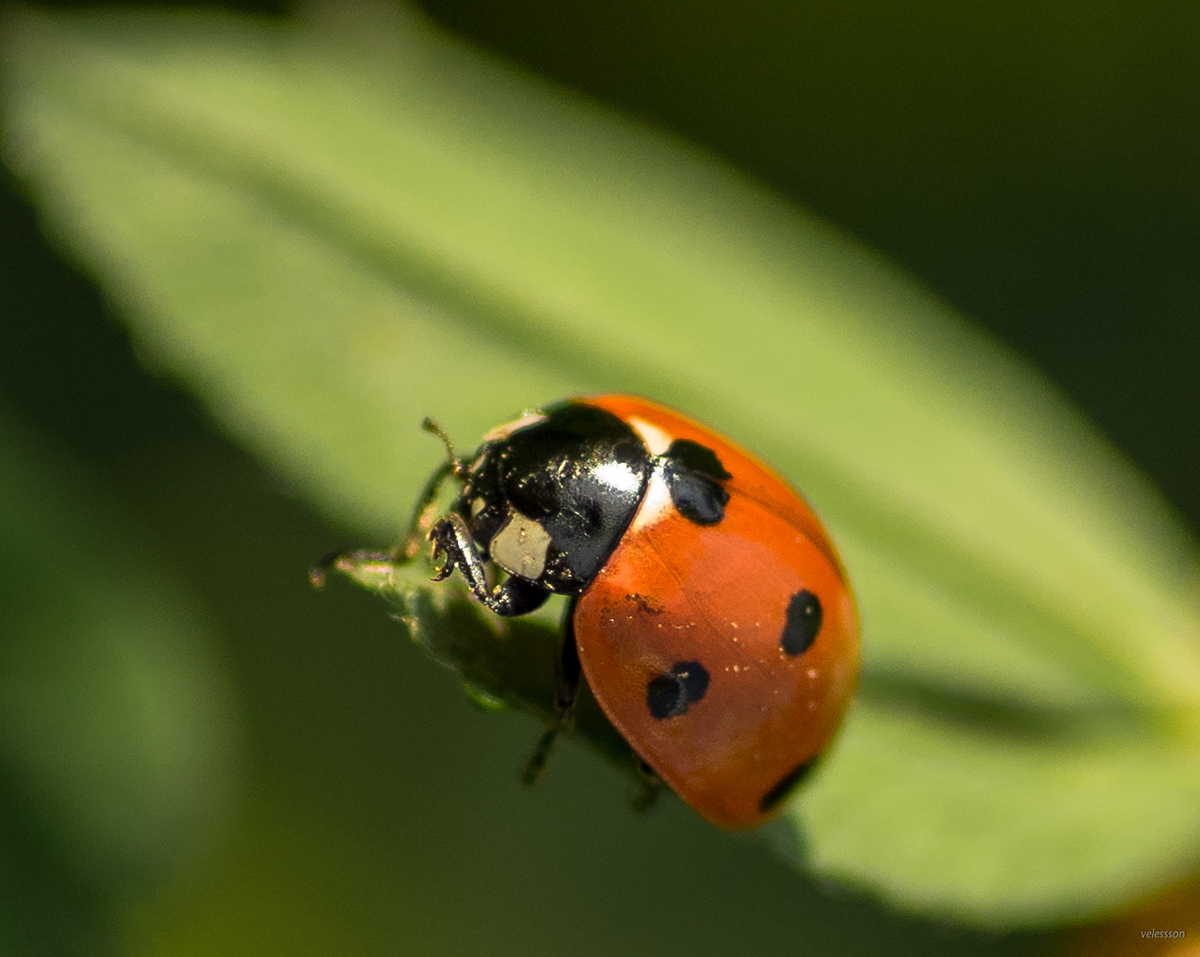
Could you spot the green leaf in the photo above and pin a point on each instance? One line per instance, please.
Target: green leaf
(333, 228)
(114, 722)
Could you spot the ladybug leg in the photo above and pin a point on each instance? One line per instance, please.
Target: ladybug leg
(564, 700)
(422, 516)
(568, 666)
(418, 526)
(425, 510)
(541, 753)
(650, 786)
(514, 596)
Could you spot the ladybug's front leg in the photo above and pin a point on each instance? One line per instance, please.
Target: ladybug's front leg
(515, 596)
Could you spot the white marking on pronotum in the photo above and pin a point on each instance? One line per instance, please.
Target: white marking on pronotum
(657, 441)
(618, 475)
(501, 432)
(520, 546)
(656, 503)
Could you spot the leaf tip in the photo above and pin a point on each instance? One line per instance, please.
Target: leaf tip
(374, 571)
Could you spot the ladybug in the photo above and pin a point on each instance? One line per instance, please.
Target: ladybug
(709, 610)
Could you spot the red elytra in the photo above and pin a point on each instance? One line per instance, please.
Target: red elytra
(675, 594)
(711, 616)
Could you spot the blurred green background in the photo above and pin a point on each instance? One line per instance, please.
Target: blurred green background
(1035, 164)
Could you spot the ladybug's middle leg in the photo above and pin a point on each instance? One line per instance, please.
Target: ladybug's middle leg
(567, 687)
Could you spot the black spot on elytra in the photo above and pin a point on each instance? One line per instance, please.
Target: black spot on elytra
(670, 695)
(695, 477)
(698, 458)
(774, 797)
(803, 623)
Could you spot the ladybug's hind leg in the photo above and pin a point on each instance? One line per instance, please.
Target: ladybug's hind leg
(567, 687)
(649, 787)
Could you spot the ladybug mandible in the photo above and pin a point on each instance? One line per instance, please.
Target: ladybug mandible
(709, 611)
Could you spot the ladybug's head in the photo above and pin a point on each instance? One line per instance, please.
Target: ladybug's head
(548, 497)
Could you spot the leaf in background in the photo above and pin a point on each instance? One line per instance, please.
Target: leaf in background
(331, 229)
(115, 726)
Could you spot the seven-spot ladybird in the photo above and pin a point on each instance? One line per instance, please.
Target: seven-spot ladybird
(710, 614)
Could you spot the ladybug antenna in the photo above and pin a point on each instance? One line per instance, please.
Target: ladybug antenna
(424, 513)
(457, 466)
